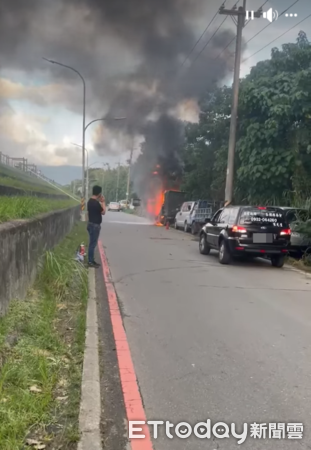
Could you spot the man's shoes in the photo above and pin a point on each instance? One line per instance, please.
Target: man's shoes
(94, 265)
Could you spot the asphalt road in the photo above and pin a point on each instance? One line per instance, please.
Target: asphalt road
(226, 343)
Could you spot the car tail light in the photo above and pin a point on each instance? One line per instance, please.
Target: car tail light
(239, 248)
(285, 232)
(237, 229)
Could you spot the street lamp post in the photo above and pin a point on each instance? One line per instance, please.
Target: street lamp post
(103, 119)
(87, 169)
(129, 173)
(83, 130)
(87, 174)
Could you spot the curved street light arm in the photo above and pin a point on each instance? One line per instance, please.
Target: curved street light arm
(92, 121)
(67, 67)
(83, 124)
(103, 119)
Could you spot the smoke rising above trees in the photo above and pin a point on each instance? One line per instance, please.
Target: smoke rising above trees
(131, 54)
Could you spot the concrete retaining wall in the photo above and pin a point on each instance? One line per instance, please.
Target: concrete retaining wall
(21, 245)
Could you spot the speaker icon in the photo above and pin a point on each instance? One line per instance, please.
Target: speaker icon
(271, 15)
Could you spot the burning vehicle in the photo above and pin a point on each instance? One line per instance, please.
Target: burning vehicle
(173, 200)
(163, 196)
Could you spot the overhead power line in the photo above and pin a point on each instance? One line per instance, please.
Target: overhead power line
(296, 1)
(234, 37)
(263, 4)
(224, 49)
(282, 13)
(204, 32)
(198, 41)
(285, 32)
(213, 35)
(201, 37)
(240, 16)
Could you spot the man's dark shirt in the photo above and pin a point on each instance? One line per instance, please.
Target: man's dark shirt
(94, 210)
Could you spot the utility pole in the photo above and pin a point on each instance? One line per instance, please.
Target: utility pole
(240, 21)
(118, 180)
(103, 177)
(129, 173)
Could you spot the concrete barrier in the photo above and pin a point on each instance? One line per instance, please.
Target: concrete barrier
(22, 243)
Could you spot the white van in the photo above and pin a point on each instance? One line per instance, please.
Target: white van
(181, 218)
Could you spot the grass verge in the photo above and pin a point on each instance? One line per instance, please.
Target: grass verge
(12, 208)
(12, 177)
(301, 264)
(41, 355)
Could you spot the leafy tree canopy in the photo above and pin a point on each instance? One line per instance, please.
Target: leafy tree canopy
(273, 152)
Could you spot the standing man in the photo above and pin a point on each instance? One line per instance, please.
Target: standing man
(96, 208)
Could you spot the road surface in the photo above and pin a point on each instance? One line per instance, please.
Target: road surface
(226, 343)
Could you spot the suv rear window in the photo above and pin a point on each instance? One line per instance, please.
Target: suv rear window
(256, 216)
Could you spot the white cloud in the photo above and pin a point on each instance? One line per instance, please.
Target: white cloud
(22, 136)
(44, 95)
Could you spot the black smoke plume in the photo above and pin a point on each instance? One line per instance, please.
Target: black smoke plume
(131, 53)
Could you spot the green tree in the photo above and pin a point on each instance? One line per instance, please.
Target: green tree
(205, 152)
(274, 126)
(108, 179)
(273, 152)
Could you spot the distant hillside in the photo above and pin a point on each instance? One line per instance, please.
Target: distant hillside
(62, 174)
(16, 178)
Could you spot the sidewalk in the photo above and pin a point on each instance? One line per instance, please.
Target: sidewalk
(90, 409)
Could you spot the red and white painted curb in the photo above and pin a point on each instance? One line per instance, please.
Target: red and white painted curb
(132, 398)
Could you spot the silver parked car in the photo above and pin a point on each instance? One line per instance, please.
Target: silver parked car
(114, 206)
(299, 244)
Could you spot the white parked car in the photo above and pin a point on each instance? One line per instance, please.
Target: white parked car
(182, 217)
(114, 206)
(123, 204)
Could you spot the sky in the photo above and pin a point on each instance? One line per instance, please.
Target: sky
(41, 104)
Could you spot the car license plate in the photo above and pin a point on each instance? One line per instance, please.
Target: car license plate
(262, 238)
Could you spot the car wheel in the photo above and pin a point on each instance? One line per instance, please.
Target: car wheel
(175, 225)
(278, 261)
(193, 229)
(203, 245)
(224, 255)
(186, 229)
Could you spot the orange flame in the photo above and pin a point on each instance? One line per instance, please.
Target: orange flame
(154, 205)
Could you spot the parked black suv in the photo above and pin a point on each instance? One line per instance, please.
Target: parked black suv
(249, 231)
